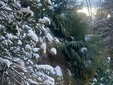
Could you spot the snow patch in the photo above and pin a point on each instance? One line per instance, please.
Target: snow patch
(43, 46)
(36, 49)
(36, 56)
(27, 47)
(58, 71)
(53, 51)
(5, 61)
(41, 39)
(17, 3)
(7, 8)
(26, 10)
(48, 82)
(33, 36)
(10, 36)
(44, 20)
(94, 79)
(45, 67)
(32, 82)
(109, 59)
(2, 4)
(47, 20)
(83, 49)
(56, 40)
(49, 37)
(19, 42)
(26, 26)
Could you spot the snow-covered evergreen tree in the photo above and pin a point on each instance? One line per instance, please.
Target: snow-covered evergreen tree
(24, 44)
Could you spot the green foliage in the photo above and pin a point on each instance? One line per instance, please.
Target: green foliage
(70, 24)
(79, 54)
(81, 58)
(103, 74)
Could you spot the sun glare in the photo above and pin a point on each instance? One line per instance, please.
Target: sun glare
(90, 12)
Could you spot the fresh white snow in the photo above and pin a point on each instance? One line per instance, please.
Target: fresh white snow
(58, 71)
(49, 37)
(43, 46)
(83, 49)
(26, 10)
(45, 67)
(33, 36)
(53, 51)
(36, 49)
(32, 82)
(5, 61)
(19, 42)
(28, 47)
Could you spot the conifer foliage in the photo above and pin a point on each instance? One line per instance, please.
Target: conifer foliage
(24, 41)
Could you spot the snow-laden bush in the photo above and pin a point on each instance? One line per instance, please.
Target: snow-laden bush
(21, 42)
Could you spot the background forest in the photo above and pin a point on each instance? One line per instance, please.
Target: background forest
(56, 42)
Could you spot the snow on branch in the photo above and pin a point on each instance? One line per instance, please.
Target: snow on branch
(5, 61)
(26, 10)
(43, 47)
(44, 20)
(53, 51)
(58, 71)
(45, 67)
(33, 36)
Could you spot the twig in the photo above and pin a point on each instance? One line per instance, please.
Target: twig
(14, 79)
(19, 74)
